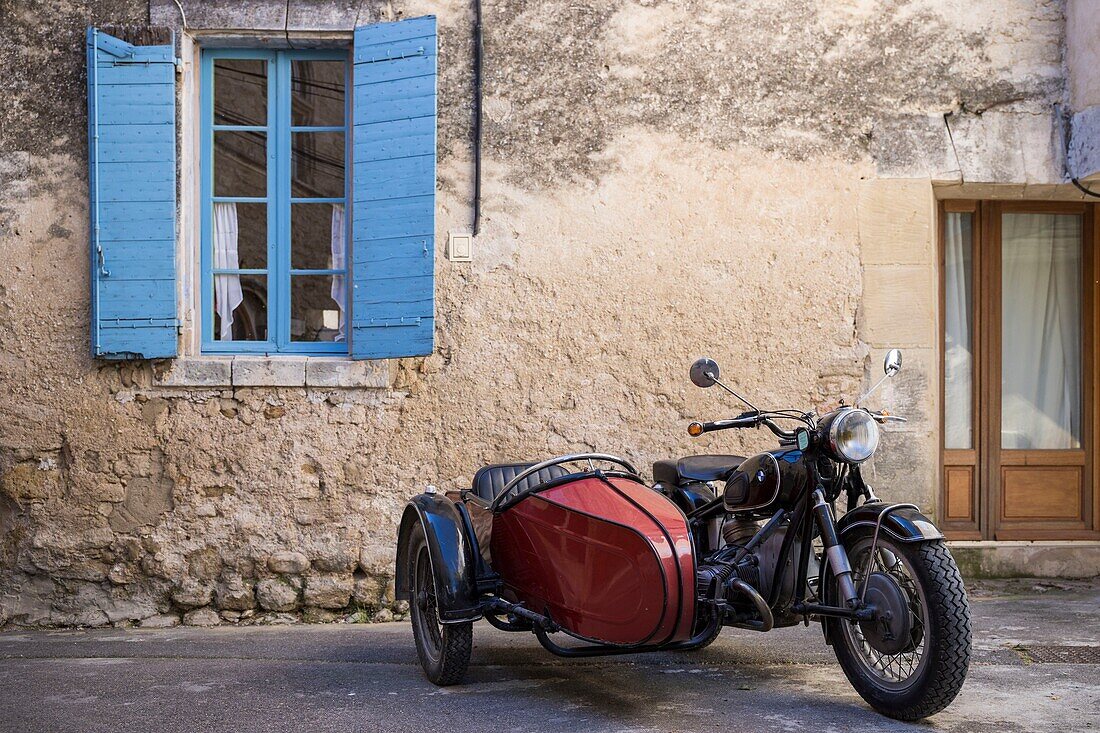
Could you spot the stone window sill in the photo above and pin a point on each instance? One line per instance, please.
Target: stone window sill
(280, 371)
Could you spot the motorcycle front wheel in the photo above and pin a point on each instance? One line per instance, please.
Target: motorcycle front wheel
(920, 673)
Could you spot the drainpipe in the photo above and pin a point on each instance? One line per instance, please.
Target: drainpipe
(477, 116)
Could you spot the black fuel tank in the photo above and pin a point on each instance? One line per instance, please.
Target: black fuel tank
(765, 479)
(754, 484)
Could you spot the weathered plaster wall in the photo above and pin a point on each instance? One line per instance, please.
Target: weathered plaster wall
(1083, 76)
(662, 180)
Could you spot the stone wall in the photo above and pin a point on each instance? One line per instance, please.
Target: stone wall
(1082, 59)
(662, 180)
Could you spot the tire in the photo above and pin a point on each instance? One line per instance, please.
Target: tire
(943, 640)
(705, 642)
(443, 649)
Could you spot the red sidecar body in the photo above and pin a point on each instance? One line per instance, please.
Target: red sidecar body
(596, 554)
(606, 558)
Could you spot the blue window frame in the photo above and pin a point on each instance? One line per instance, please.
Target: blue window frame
(275, 178)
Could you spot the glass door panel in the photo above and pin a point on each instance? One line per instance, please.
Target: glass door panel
(1041, 467)
(958, 353)
(1041, 332)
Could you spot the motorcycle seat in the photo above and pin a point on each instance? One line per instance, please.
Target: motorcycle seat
(489, 481)
(696, 468)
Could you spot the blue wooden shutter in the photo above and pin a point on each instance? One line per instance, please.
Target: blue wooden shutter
(393, 227)
(132, 192)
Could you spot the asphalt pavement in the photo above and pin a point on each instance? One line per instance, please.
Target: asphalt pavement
(1036, 668)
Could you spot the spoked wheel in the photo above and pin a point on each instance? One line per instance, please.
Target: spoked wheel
(910, 661)
(444, 649)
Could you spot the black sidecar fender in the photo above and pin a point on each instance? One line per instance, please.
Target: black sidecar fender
(903, 524)
(451, 548)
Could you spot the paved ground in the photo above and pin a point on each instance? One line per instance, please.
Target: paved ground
(365, 678)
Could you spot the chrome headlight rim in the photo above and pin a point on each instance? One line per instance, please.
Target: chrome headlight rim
(840, 447)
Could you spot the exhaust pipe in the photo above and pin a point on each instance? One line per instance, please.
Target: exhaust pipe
(767, 621)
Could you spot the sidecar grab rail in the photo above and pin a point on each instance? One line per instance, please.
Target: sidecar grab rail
(571, 458)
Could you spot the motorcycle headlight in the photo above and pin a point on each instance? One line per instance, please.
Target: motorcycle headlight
(852, 436)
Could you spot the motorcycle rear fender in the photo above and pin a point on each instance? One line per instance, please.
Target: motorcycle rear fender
(689, 497)
(451, 548)
(904, 524)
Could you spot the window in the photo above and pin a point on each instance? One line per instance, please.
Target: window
(302, 252)
(275, 229)
(1017, 317)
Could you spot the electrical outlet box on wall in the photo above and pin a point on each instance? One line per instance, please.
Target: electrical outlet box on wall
(460, 247)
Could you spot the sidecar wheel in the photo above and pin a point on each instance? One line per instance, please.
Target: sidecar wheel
(917, 671)
(706, 642)
(444, 649)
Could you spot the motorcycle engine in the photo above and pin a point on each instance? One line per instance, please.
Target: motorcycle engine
(760, 568)
(737, 531)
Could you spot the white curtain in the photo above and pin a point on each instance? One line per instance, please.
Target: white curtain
(1041, 331)
(339, 291)
(227, 288)
(958, 332)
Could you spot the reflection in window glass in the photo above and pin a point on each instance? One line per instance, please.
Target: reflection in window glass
(317, 93)
(958, 352)
(241, 229)
(317, 165)
(240, 92)
(1041, 336)
(317, 305)
(240, 307)
(317, 236)
(240, 163)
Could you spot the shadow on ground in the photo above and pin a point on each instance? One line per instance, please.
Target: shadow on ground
(365, 678)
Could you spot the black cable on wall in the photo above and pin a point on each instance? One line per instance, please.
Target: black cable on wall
(1081, 186)
(1065, 118)
(477, 116)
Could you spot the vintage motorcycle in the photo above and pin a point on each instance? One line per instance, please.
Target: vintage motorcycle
(593, 553)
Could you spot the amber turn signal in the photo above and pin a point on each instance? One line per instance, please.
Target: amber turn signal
(695, 429)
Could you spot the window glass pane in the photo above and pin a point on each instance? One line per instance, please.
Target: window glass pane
(318, 237)
(317, 93)
(240, 164)
(239, 236)
(958, 352)
(1041, 331)
(240, 92)
(317, 165)
(317, 307)
(240, 308)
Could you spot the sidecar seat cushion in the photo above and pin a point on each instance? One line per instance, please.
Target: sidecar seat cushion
(664, 472)
(491, 480)
(696, 468)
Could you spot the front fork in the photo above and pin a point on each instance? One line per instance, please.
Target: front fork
(838, 558)
(853, 609)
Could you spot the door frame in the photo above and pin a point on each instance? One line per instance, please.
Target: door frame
(981, 467)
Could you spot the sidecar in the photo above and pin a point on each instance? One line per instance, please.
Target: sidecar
(590, 552)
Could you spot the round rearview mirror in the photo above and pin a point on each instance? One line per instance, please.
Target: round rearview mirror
(891, 365)
(704, 372)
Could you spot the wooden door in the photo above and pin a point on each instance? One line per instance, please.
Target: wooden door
(1018, 322)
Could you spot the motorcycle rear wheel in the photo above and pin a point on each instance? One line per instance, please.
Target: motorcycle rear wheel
(926, 675)
(444, 649)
